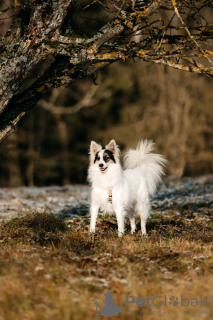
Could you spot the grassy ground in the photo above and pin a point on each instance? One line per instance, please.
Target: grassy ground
(51, 269)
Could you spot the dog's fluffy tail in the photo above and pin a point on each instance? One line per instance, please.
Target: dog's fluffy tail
(150, 164)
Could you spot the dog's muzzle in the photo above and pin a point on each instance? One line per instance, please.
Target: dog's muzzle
(101, 166)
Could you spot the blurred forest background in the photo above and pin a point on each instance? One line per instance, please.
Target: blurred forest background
(130, 101)
(127, 101)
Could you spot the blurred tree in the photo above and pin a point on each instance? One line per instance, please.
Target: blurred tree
(71, 39)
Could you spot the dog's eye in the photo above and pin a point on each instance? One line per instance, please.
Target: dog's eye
(98, 158)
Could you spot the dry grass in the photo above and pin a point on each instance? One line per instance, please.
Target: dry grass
(55, 274)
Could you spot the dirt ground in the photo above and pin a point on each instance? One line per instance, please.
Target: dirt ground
(63, 274)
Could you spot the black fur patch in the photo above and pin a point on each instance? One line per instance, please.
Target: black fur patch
(108, 154)
(96, 157)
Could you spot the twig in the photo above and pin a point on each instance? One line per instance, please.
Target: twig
(187, 30)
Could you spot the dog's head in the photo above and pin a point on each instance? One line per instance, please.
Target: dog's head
(103, 158)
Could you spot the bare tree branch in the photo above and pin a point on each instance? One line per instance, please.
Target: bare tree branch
(178, 34)
(90, 99)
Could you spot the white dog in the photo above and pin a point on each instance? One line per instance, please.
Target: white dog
(119, 191)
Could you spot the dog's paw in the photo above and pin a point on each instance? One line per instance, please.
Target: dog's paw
(92, 235)
(120, 234)
(143, 231)
(144, 235)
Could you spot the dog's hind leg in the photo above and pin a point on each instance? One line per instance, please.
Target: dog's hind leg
(143, 211)
(143, 226)
(120, 219)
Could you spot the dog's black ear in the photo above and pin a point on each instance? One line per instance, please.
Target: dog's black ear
(112, 147)
(94, 148)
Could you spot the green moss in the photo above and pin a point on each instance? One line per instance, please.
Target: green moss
(36, 222)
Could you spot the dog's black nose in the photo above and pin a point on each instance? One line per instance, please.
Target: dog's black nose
(101, 165)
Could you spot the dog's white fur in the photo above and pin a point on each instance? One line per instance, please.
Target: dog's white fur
(131, 187)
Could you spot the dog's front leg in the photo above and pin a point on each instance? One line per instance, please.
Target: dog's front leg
(120, 219)
(94, 213)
